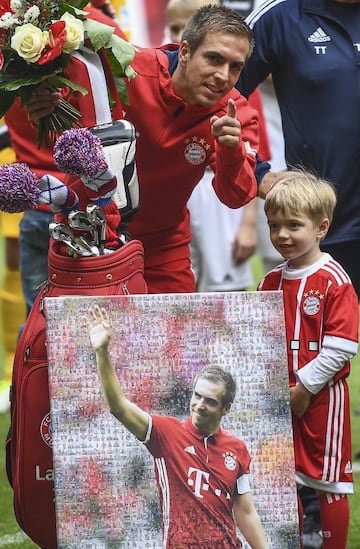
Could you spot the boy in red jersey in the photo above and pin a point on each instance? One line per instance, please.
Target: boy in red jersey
(321, 316)
(201, 469)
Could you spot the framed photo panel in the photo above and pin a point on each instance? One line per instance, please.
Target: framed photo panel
(105, 489)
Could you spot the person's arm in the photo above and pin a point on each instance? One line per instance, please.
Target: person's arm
(267, 48)
(234, 159)
(319, 371)
(265, 178)
(130, 415)
(245, 240)
(300, 398)
(248, 521)
(339, 345)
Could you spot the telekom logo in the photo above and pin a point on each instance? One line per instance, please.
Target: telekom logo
(199, 480)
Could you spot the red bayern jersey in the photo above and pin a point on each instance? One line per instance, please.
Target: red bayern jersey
(321, 307)
(197, 477)
(317, 302)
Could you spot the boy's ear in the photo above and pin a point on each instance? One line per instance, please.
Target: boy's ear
(323, 228)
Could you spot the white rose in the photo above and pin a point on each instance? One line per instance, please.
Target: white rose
(74, 32)
(28, 42)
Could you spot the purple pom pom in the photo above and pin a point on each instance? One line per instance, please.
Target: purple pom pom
(78, 151)
(19, 188)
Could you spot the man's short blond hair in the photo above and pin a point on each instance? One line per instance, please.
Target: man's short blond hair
(299, 192)
(215, 19)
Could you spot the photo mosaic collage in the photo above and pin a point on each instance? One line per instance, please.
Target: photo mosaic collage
(105, 487)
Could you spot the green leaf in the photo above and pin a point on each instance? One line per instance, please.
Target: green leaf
(122, 50)
(75, 6)
(6, 100)
(115, 66)
(18, 83)
(98, 33)
(118, 69)
(54, 81)
(76, 12)
(122, 90)
(130, 73)
(11, 83)
(60, 82)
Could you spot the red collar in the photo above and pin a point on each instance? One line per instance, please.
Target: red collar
(197, 434)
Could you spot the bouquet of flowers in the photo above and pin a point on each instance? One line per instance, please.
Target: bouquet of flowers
(37, 38)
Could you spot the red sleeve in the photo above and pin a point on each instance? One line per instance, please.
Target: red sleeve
(234, 181)
(163, 429)
(23, 141)
(342, 313)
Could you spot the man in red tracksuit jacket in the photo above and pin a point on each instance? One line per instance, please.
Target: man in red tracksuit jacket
(187, 115)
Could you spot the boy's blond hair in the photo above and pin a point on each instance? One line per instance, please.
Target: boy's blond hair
(188, 5)
(299, 192)
(178, 13)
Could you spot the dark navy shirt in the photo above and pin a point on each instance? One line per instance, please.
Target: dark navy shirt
(312, 50)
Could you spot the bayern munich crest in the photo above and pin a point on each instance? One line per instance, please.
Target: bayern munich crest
(312, 302)
(229, 461)
(45, 430)
(195, 150)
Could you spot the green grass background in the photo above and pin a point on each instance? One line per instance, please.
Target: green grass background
(8, 524)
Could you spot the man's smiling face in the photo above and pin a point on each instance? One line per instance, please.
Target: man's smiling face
(213, 69)
(206, 405)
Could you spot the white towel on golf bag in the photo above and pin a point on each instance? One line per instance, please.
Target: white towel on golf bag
(118, 137)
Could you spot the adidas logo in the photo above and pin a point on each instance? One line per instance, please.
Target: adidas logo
(348, 467)
(190, 450)
(319, 36)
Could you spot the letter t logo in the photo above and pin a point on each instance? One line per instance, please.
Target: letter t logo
(199, 480)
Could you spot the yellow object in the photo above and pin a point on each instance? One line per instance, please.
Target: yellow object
(122, 15)
(7, 156)
(13, 313)
(12, 302)
(9, 224)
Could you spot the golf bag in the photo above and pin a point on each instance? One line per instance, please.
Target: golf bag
(29, 460)
(29, 444)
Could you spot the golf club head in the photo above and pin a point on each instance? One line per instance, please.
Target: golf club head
(95, 214)
(87, 247)
(60, 231)
(79, 220)
(97, 217)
